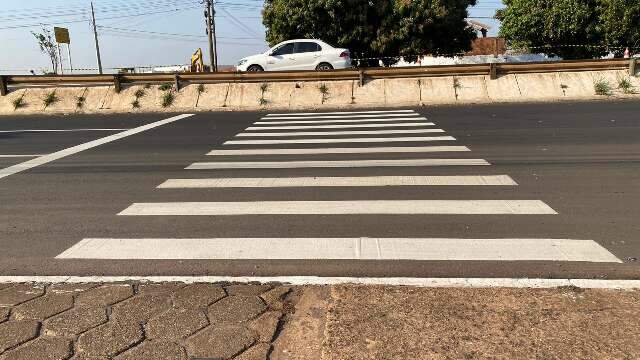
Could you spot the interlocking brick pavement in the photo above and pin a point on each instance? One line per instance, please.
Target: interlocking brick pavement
(139, 321)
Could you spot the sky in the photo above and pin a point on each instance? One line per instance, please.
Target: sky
(142, 32)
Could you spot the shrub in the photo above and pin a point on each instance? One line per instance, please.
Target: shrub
(167, 99)
(50, 99)
(602, 87)
(135, 104)
(165, 87)
(139, 93)
(18, 103)
(80, 102)
(625, 85)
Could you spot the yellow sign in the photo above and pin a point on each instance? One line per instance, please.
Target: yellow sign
(62, 35)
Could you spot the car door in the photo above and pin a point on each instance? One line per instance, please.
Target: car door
(282, 58)
(307, 54)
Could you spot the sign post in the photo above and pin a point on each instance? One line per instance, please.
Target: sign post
(62, 37)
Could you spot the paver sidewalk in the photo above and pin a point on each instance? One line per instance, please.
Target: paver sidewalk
(246, 322)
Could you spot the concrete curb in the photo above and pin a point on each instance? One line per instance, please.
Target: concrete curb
(444, 90)
(312, 280)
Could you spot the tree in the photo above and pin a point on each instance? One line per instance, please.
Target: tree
(374, 28)
(48, 46)
(620, 24)
(572, 29)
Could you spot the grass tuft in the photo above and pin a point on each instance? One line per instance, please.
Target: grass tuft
(200, 89)
(135, 104)
(456, 84)
(18, 103)
(602, 87)
(167, 99)
(165, 87)
(264, 87)
(626, 86)
(50, 99)
(263, 101)
(139, 93)
(80, 102)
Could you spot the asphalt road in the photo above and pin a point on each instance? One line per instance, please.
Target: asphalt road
(580, 159)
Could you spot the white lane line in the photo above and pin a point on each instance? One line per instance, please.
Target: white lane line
(57, 130)
(20, 156)
(343, 113)
(334, 164)
(395, 120)
(414, 249)
(88, 145)
(352, 140)
(380, 207)
(367, 150)
(481, 283)
(368, 181)
(337, 133)
(304, 127)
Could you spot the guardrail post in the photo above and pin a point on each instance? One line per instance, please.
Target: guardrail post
(633, 66)
(493, 71)
(361, 78)
(3, 85)
(176, 79)
(117, 86)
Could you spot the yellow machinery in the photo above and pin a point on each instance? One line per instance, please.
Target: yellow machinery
(197, 63)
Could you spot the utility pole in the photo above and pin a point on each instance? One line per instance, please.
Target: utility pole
(211, 31)
(95, 35)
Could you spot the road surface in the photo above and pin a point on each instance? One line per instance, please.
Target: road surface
(524, 190)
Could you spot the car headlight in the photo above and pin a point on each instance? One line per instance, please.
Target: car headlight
(242, 62)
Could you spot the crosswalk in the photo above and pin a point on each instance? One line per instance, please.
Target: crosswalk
(379, 140)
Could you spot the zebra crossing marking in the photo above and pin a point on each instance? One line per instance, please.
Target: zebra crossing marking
(306, 127)
(364, 181)
(340, 140)
(334, 164)
(338, 121)
(316, 151)
(417, 249)
(371, 207)
(343, 113)
(339, 133)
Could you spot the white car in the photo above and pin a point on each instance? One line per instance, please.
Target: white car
(302, 54)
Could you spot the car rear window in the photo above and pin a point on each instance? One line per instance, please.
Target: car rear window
(305, 47)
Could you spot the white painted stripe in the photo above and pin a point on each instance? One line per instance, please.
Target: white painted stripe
(491, 180)
(344, 113)
(367, 116)
(304, 127)
(415, 249)
(518, 283)
(338, 133)
(334, 164)
(88, 145)
(433, 207)
(57, 130)
(395, 120)
(367, 150)
(351, 140)
(20, 156)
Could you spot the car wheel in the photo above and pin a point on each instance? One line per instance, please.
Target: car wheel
(324, 67)
(255, 68)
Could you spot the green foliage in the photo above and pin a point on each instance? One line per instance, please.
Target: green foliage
(139, 93)
(165, 87)
(80, 102)
(324, 90)
(549, 26)
(602, 87)
(50, 99)
(47, 46)
(625, 85)
(167, 99)
(373, 27)
(200, 89)
(18, 103)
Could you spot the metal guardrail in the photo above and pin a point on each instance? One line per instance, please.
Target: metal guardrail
(493, 70)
